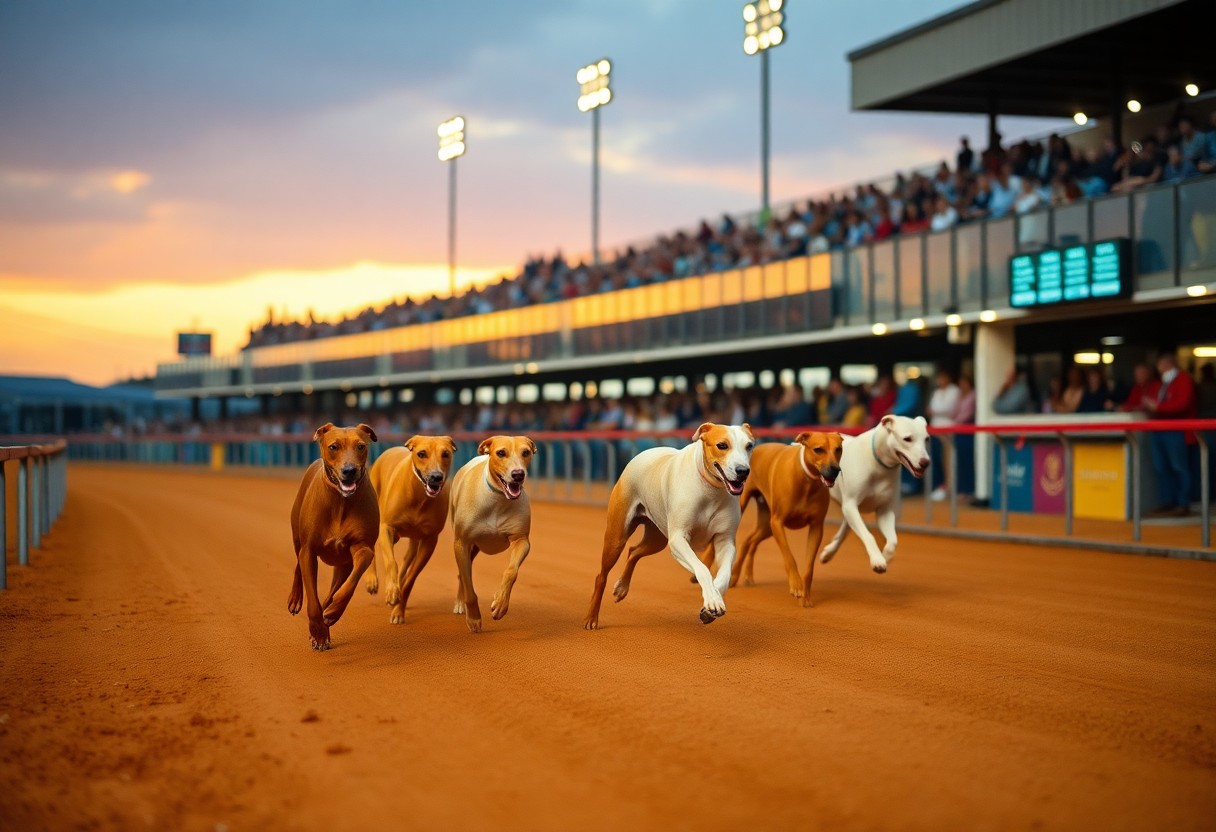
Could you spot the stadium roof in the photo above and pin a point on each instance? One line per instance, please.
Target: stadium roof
(1040, 58)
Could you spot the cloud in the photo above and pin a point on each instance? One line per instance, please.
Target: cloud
(33, 196)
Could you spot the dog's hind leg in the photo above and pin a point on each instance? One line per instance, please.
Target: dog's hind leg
(747, 554)
(651, 543)
(467, 603)
(417, 556)
(791, 565)
(616, 535)
(830, 550)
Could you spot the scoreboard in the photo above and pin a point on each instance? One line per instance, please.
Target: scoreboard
(194, 343)
(1094, 271)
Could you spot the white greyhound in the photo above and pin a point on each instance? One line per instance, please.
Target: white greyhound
(869, 481)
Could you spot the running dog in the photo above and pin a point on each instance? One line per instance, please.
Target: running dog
(490, 513)
(334, 520)
(411, 482)
(870, 482)
(790, 484)
(686, 497)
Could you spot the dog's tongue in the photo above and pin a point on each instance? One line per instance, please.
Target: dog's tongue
(348, 489)
(514, 489)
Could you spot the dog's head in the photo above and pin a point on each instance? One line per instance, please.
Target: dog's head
(508, 461)
(908, 439)
(726, 452)
(431, 459)
(344, 455)
(821, 455)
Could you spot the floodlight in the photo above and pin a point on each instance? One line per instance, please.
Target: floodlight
(451, 139)
(1133, 106)
(1192, 90)
(763, 25)
(593, 81)
(1080, 118)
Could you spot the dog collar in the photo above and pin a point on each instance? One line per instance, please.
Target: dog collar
(874, 450)
(489, 484)
(805, 469)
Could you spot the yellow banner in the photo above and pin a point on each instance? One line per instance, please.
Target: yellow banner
(1100, 480)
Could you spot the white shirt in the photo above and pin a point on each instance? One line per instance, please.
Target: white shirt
(947, 219)
(942, 404)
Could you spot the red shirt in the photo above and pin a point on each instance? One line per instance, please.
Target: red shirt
(1177, 401)
(1135, 399)
(880, 406)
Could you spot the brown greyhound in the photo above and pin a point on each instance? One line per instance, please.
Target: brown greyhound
(790, 486)
(490, 513)
(334, 520)
(411, 481)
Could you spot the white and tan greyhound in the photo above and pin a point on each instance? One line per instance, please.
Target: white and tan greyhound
(869, 481)
(688, 498)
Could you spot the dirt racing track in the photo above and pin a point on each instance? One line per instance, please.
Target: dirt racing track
(151, 678)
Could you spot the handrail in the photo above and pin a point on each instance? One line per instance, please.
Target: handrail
(41, 494)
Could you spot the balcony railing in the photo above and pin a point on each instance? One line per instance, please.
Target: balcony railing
(1172, 229)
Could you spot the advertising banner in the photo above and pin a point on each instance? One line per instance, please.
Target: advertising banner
(1100, 480)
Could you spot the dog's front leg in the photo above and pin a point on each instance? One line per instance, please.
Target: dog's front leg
(724, 561)
(886, 525)
(712, 604)
(362, 556)
(318, 630)
(852, 516)
(468, 598)
(502, 598)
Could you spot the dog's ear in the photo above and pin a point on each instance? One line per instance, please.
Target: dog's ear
(921, 420)
(450, 442)
(409, 443)
(484, 447)
(887, 422)
(748, 430)
(531, 444)
(321, 431)
(367, 429)
(802, 438)
(705, 428)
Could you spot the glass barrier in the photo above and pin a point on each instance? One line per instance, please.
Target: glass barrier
(882, 273)
(911, 257)
(1153, 249)
(1071, 224)
(969, 263)
(1111, 217)
(939, 272)
(998, 248)
(1197, 224)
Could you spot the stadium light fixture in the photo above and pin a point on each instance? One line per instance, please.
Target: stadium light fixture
(594, 91)
(1133, 106)
(451, 148)
(1080, 118)
(763, 28)
(1192, 90)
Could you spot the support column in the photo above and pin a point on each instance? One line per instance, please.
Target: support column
(995, 356)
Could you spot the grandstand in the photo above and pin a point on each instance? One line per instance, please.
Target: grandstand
(809, 294)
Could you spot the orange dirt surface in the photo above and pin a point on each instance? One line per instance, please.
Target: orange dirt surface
(151, 678)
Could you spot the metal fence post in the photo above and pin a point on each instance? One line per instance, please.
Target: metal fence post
(1003, 458)
(1205, 495)
(953, 486)
(23, 509)
(45, 463)
(35, 503)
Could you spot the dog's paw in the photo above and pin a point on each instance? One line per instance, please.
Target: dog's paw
(372, 584)
(826, 555)
(318, 635)
(458, 607)
(708, 616)
(294, 605)
(748, 580)
(879, 566)
(806, 601)
(619, 590)
(498, 607)
(392, 594)
(397, 616)
(796, 590)
(591, 623)
(474, 624)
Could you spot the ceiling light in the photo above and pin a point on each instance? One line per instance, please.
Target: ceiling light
(1204, 352)
(988, 316)
(1080, 118)
(916, 324)
(1112, 340)
(1192, 90)
(879, 329)
(1133, 106)
(1197, 291)
(1086, 358)
(954, 319)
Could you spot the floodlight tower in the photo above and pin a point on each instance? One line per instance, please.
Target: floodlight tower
(594, 92)
(763, 28)
(451, 147)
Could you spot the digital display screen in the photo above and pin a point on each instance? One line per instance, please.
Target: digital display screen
(1096, 271)
(194, 343)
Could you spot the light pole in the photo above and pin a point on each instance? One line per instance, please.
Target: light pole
(594, 92)
(763, 28)
(451, 147)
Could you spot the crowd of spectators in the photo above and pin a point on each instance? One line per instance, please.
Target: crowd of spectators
(995, 183)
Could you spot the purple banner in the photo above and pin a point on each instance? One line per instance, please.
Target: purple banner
(1048, 486)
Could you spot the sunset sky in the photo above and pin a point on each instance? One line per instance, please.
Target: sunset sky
(169, 166)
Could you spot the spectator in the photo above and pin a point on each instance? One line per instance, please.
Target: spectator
(1144, 167)
(792, 409)
(913, 222)
(837, 403)
(941, 410)
(965, 158)
(882, 398)
(907, 399)
(1145, 385)
(945, 216)
(1171, 460)
(1205, 391)
(1015, 395)
(1208, 163)
(1070, 399)
(1192, 144)
(964, 443)
(1096, 397)
(964, 408)
(855, 415)
(1005, 189)
(1054, 402)
(1177, 166)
